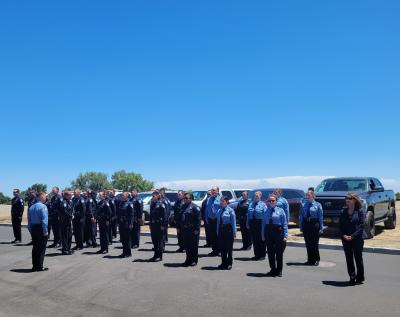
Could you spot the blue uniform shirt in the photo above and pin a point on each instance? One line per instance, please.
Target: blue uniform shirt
(315, 213)
(212, 207)
(226, 216)
(278, 217)
(256, 211)
(283, 203)
(38, 215)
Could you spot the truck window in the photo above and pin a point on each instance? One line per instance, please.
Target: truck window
(227, 193)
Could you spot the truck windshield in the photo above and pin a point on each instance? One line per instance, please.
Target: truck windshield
(348, 185)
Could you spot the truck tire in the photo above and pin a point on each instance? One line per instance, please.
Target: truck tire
(370, 224)
(390, 222)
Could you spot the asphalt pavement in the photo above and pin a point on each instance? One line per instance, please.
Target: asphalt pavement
(87, 284)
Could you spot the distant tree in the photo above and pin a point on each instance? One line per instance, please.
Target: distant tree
(397, 196)
(4, 200)
(128, 180)
(38, 187)
(94, 180)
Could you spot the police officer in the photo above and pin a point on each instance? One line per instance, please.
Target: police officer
(54, 224)
(32, 199)
(178, 220)
(212, 207)
(275, 233)
(90, 220)
(203, 217)
(125, 214)
(311, 224)
(167, 204)
(65, 217)
(111, 201)
(158, 222)
(226, 232)
(137, 221)
(17, 211)
(78, 223)
(282, 203)
(114, 220)
(190, 229)
(103, 217)
(255, 214)
(241, 213)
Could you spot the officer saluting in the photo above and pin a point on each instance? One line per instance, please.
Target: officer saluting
(158, 222)
(79, 212)
(241, 213)
(65, 216)
(17, 210)
(103, 217)
(190, 229)
(54, 223)
(178, 220)
(125, 214)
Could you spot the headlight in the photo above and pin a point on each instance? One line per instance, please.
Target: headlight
(364, 204)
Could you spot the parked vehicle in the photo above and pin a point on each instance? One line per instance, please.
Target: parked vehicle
(379, 203)
(233, 194)
(146, 198)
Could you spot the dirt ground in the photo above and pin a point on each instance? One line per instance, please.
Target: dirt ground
(383, 238)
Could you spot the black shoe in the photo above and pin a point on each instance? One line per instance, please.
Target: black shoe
(135, 246)
(14, 241)
(71, 252)
(100, 252)
(261, 259)
(122, 255)
(246, 248)
(307, 263)
(229, 267)
(127, 255)
(157, 260)
(271, 273)
(65, 253)
(316, 263)
(359, 280)
(185, 264)
(221, 267)
(94, 245)
(278, 274)
(42, 269)
(213, 253)
(352, 282)
(193, 264)
(206, 246)
(30, 243)
(180, 250)
(52, 245)
(75, 248)
(255, 258)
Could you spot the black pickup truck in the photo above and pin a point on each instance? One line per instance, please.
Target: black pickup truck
(378, 202)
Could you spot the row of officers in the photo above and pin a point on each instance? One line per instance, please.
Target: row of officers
(263, 223)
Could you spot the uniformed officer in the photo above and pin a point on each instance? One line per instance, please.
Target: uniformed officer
(212, 207)
(282, 203)
(255, 214)
(226, 232)
(178, 220)
(114, 220)
(65, 217)
(241, 213)
(137, 221)
(17, 211)
(275, 233)
(103, 217)
(203, 217)
(90, 220)
(32, 199)
(112, 232)
(190, 229)
(311, 224)
(167, 204)
(54, 224)
(125, 214)
(158, 222)
(78, 223)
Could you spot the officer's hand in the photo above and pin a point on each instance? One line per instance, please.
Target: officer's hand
(196, 232)
(107, 223)
(45, 234)
(285, 239)
(141, 222)
(321, 231)
(162, 228)
(178, 230)
(234, 236)
(263, 238)
(82, 220)
(248, 227)
(130, 226)
(93, 220)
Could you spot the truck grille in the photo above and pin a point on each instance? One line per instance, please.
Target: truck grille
(334, 204)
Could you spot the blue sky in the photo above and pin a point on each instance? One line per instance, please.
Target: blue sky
(199, 90)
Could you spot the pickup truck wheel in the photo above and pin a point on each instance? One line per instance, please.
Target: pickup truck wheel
(370, 224)
(390, 222)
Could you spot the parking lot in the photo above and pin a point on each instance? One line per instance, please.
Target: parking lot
(86, 284)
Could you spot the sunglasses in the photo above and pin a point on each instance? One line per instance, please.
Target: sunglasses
(349, 198)
(186, 198)
(271, 200)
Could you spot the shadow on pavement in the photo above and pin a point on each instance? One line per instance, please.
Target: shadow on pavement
(297, 264)
(7, 242)
(336, 283)
(90, 253)
(146, 250)
(244, 259)
(211, 268)
(112, 257)
(142, 261)
(51, 255)
(21, 270)
(258, 275)
(174, 265)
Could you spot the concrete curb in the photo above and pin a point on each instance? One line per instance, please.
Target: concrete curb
(377, 250)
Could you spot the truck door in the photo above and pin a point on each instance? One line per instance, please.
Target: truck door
(378, 197)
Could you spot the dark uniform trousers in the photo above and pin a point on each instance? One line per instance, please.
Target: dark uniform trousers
(90, 231)
(104, 231)
(66, 235)
(275, 246)
(39, 242)
(246, 235)
(225, 244)
(136, 234)
(207, 231)
(353, 250)
(126, 238)
(179, 235)
(16, 224)
(259, 245)
(109, 232)
(157, 237)
(78, 227)
(311, 238)
(113, 226)
(54, 225)
(190, 244)
(212, 227)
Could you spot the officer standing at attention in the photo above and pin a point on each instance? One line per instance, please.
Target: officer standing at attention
(352, 221)
(65, 216)
(311, 224)
(226, 232)
(125, 214)
(275, 233)
(158, 221)
(212, 207)
(282, 203)
(78, 223)
(167, 204)
(255, 216)
(32, 199)
(112, 232)
(190, 229)
(38, 227)
(203, 217)
(137, 221)
(241, 213)
(103, 216)
(90, 220)
(17, 211)
(54, 223)
(178, 220)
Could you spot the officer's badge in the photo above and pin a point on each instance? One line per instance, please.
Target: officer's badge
(108, 204)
